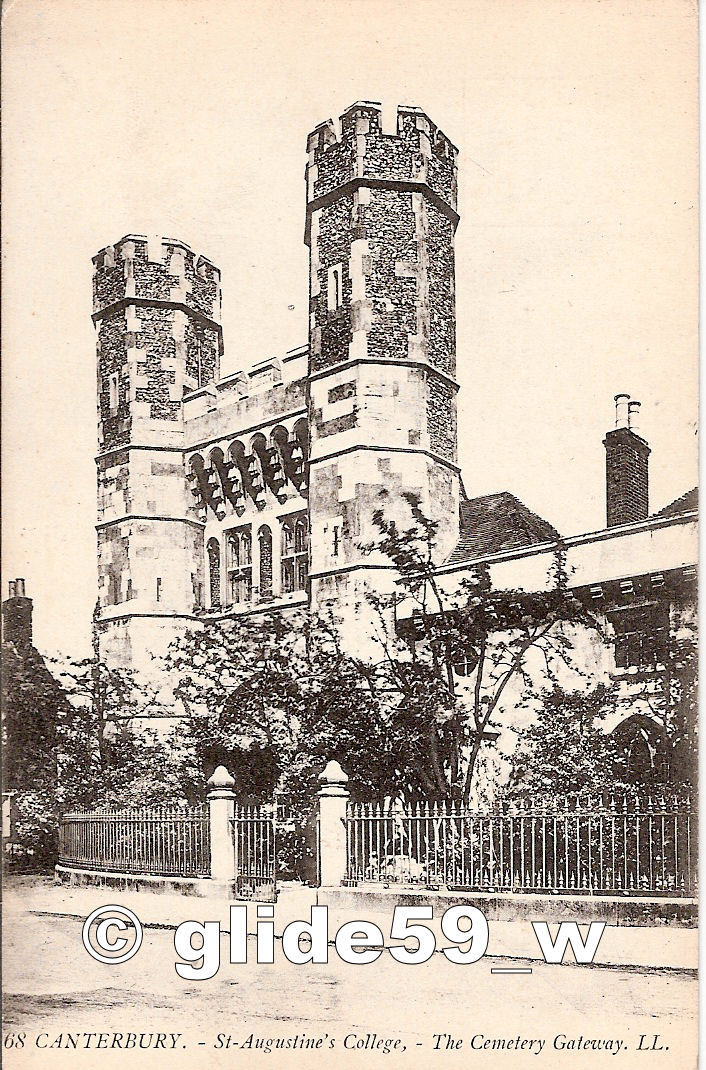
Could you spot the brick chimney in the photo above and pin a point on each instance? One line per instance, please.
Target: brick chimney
(626, 463)
(17, 616)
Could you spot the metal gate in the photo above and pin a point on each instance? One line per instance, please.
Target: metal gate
(255, 847)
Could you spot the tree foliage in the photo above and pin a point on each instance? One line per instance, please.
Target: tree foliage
(31, 701)
(463, 653)
(567, 748)
(273, 698)
(107, 754)
(265, 695)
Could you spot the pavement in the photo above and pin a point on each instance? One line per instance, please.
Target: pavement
(65, 1005)
(656, 947)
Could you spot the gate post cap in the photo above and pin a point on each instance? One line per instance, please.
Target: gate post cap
(333, 780)
(220, 778)
(333, 774)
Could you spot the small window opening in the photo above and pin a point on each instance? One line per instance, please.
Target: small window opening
(335, 287)
(114, 391)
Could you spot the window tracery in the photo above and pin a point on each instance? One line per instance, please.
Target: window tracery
(239, 544)
(294, 554)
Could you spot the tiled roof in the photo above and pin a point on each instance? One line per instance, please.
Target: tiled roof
(496, 522)
(686, 504)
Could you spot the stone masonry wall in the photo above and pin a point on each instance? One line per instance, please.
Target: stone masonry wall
(156, 363)
(391, 234)
(383, 207)
(441, 417)
(442, 297)
(113, 426)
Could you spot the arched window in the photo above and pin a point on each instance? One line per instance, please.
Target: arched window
(214, 571)
(295, 554)
(287, 539)
(301, 537)
(265, 540)
(239, 579)
(245, 549)
(233, 551)
(644, 746)
(465, 665)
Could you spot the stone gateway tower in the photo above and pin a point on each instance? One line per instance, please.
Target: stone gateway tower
(258, 491)
(380, 224)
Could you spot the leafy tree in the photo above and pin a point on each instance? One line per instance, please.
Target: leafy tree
(567, 750)
(31, 701)
(273, 698)
(106, 754)
(680, 708)
(462, 654)
(260, 693)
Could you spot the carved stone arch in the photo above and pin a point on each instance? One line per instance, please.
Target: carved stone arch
(197, 481)
(279, 437)
(277, 461)
(211, 484)
(298, 455)
(258, 443)
(229, 471)
(257, 466)
(236, 449)
(219, 469)
(238, 455)
(301, 431)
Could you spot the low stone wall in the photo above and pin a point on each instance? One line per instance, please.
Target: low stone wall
(143, 882)
(614, 910)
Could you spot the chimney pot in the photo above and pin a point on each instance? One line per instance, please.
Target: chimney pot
(634, 416)
(621, 410)
(17, 615)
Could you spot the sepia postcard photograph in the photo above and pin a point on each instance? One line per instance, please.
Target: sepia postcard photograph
(350, 534)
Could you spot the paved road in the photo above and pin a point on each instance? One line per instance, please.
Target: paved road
(53, 988)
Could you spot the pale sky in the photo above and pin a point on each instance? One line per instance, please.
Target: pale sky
(576, 253)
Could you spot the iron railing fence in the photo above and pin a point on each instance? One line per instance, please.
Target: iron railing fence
(161, 841)
(599, 846)
(255, 846)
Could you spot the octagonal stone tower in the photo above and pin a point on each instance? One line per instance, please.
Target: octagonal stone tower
(380, 225)
(156, 309)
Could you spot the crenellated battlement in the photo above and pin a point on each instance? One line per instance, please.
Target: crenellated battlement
(155, 269)
(419, 152)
